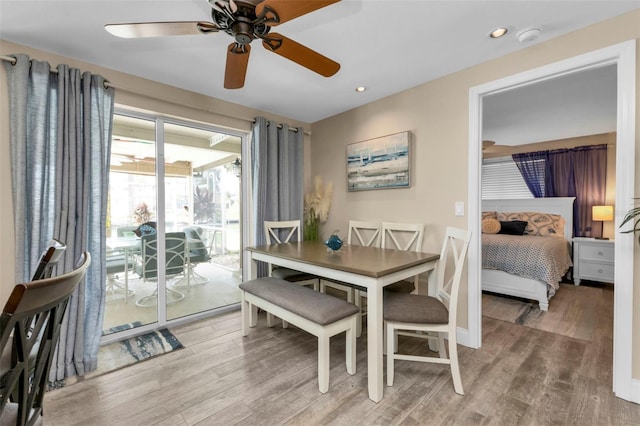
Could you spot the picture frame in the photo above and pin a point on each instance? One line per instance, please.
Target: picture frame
(379, 163)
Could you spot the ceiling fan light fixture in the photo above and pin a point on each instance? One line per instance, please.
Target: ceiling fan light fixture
(498, 32)
(361, 89)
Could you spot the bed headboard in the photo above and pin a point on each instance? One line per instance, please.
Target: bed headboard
(555, 205)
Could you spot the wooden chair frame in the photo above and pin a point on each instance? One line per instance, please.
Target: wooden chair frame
(30, 323)
(456, 244)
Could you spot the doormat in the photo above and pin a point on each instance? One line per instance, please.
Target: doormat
(573, 311)
(115, 356)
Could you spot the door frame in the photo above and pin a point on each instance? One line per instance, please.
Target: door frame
(624, 56)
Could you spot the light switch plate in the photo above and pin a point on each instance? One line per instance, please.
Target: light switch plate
(459, 208)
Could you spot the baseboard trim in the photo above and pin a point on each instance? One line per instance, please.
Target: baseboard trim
(464, 338)
(635, 391)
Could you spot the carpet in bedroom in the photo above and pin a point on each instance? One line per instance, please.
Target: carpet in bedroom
(574, 311)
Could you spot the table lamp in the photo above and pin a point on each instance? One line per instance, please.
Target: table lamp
(603, 214)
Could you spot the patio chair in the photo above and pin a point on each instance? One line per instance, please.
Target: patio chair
(197, 253)
(176, 262)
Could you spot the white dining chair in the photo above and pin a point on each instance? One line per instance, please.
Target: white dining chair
(363, 233)
(284, 231)
(430, 317)
(399, 236)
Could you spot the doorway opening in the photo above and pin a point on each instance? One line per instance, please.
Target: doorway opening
(623, 56)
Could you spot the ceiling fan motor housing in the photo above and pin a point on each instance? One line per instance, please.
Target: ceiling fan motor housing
(241, 25)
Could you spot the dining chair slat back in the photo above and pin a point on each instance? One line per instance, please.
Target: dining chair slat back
(402, 236)
(365, 233)
(274, 231)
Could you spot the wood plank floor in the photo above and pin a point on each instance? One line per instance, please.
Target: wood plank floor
(521, 376)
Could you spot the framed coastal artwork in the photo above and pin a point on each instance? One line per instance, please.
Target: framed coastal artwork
(380, 163)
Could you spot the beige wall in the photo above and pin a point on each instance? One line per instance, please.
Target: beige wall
(165, 100)
(437, 115)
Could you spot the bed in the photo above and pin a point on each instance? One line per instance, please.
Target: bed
(516, 283)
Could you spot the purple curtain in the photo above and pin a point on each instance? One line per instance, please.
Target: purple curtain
(579, 172)
(532, 168)
(590, 173)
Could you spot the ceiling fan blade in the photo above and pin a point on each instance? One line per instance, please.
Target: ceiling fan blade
(236, 68)
(300, 54)
(279, 11)
(159, 29)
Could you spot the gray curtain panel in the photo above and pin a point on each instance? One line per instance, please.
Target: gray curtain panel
(61, 127)
(277, 163)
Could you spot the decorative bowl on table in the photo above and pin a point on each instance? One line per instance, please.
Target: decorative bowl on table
(334, 243)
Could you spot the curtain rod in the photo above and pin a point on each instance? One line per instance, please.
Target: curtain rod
(13, 61)
(108, 84)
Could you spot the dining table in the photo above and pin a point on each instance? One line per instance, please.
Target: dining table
(368, 267)
(126, 246)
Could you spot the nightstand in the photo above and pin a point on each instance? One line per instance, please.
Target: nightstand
(593, 260)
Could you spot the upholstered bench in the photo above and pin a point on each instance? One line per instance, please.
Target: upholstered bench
(316, 313)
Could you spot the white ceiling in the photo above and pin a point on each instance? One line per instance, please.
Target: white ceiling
(579, 104)
(388, 46)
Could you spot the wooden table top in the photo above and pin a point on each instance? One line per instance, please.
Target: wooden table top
(367, 261)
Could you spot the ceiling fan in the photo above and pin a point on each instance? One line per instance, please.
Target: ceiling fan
(491, 147)
(245, 21)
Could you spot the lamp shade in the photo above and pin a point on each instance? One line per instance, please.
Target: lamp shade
(604, 213)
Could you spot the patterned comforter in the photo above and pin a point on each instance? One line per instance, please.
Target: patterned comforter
(545, 259)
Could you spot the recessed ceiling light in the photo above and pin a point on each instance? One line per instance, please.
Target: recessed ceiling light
(360, 89)
(498, 32)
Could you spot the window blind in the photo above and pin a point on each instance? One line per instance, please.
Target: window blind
(502, 179)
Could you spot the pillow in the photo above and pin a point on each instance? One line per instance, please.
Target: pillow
(543, 224)
(489, 215)
(147, 228)
(490, 226)
(512, 227)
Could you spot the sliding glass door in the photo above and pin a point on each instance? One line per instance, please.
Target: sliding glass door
(174, 226)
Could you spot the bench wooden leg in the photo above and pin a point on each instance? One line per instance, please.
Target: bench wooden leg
(350, 351)
(253, 315)
(323, 363)
(270, 318)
